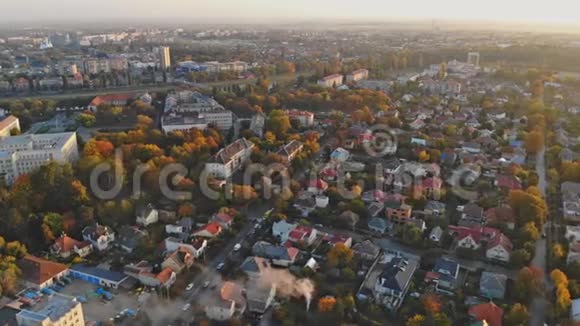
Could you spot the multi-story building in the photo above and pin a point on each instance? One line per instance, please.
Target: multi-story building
(360, 74)
(54, 310)
(331, 81)
(7, 124)
(305, 118)
(229, 159)
(473, 58)
(164, 58)
(25, 153)
(187, 110)
(95, 66)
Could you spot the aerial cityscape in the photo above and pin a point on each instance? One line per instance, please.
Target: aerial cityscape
(304, 163)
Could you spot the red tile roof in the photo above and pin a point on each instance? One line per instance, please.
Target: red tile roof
(503, 214)
(501, 240)
(509, 181)
(212, 228)
(110, 99)
(489, 312)
(224, 218)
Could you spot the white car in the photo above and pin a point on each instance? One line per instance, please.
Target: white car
(189, 287)
(237, 247)
(186, 307)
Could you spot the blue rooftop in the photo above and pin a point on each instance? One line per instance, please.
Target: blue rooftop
(99, 272)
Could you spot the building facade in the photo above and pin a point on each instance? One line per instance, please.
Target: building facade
(26, 153)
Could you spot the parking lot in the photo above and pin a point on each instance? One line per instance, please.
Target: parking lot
(97, 309)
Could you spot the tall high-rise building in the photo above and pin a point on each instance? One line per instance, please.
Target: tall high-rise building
(165, 57)
(473, 58)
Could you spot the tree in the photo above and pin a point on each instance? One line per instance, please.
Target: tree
(86, 120)
(517, 316)
(54, 223)
(558, 251)
(417, 320)
(278, 122)
(339, 255)
(431, 303)
(326, 304)
(534, 141)
(528, 283)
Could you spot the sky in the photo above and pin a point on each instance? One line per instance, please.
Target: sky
(544, 11)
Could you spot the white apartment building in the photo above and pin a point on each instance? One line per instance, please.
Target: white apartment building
(26, 153)
(473, 58)
(360, 74)
(229, 159)
(187, 110)
(305, 118)
(331, 81)
(165, 58)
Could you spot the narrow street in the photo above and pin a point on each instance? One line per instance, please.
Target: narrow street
(540, 304)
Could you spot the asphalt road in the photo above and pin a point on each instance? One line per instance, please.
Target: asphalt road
(540, 304)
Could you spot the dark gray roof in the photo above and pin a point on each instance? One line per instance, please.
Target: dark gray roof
(270, 251)
(493, 284)
(397, 274)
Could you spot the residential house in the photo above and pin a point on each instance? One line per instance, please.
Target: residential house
(230, 159)
(174, 229)
(375, 209)
(508, 182)
(502, 215)
(178, 260)
(278, 255)
(575, 311)
(392, 283)
(488, 312)
(317, 186)
(471, 147)
(258, 123)
(210, 230)
(65, 246)
(398, 212)
(379, 225)
(254, 267)
(445, 275)
(472, 238)
(146, 275)
(573, 252)
(230, 301)
(434, 208)
(302, 234)
(130, 237)
(225, 220)
(147, 215)
(289, 151)
(340, 155)
(492, 285)
(336, 238)
(571, 200)
(196, 247)
(471, 215)
(499, 249)
(431, 187)
(366, 250)
(282, 229)
(100, 236)
(259, 298)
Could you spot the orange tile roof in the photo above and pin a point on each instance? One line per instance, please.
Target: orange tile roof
(38, 270)
(231, 291)
(164, 275)
(66, 243)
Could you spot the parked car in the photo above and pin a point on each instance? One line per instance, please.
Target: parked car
(237, 247)
(205, 284)
(220, 266)
(186, 307)
(189, 287)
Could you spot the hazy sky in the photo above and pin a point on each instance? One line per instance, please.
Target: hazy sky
(548, 11)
